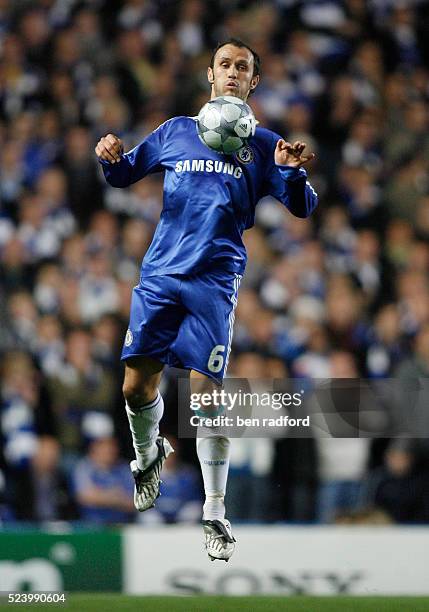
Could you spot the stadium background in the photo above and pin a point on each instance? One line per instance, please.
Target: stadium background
(343, 294)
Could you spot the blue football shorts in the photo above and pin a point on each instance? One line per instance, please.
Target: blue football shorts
(184, 321)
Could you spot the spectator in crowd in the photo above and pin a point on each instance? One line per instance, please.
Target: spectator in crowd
(418, 365)
(341, 462)
(102, 485)
(399, 487)
(43, 493)
(25, 409)
(82, 394)
(386, 347)
(249, 485)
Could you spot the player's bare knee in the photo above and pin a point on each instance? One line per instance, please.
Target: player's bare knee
(141, 381)
(136, 395)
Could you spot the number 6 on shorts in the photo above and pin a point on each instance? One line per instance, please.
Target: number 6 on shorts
(215, 362)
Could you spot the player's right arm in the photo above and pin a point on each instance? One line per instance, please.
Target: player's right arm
(109, 148)
(122, 169)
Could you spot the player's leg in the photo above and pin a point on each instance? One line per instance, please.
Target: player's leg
(203, 345)
(155, 317)
(213, 450)
(145, 407)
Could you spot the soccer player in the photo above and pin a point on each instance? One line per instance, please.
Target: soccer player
(182, 310)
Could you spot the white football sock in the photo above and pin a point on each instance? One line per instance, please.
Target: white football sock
(144, 426)
(213, 453)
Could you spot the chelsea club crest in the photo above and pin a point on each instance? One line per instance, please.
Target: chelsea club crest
(245, 155)
(128, 338)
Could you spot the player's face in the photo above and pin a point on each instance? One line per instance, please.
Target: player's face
(232, 73)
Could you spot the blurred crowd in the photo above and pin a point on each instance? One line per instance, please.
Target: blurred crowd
(342, 294)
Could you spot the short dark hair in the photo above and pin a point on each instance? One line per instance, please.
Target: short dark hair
(236, 42)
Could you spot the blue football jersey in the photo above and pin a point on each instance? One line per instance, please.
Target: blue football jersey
(209, 198)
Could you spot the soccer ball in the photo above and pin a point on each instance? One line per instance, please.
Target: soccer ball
(225, 124)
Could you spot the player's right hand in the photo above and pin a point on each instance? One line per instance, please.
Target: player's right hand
(109, 148)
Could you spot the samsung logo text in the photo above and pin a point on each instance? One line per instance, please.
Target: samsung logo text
(208, 165)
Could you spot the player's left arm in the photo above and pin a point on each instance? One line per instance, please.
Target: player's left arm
(287, 179)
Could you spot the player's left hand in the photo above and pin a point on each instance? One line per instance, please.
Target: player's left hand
(287, 154)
